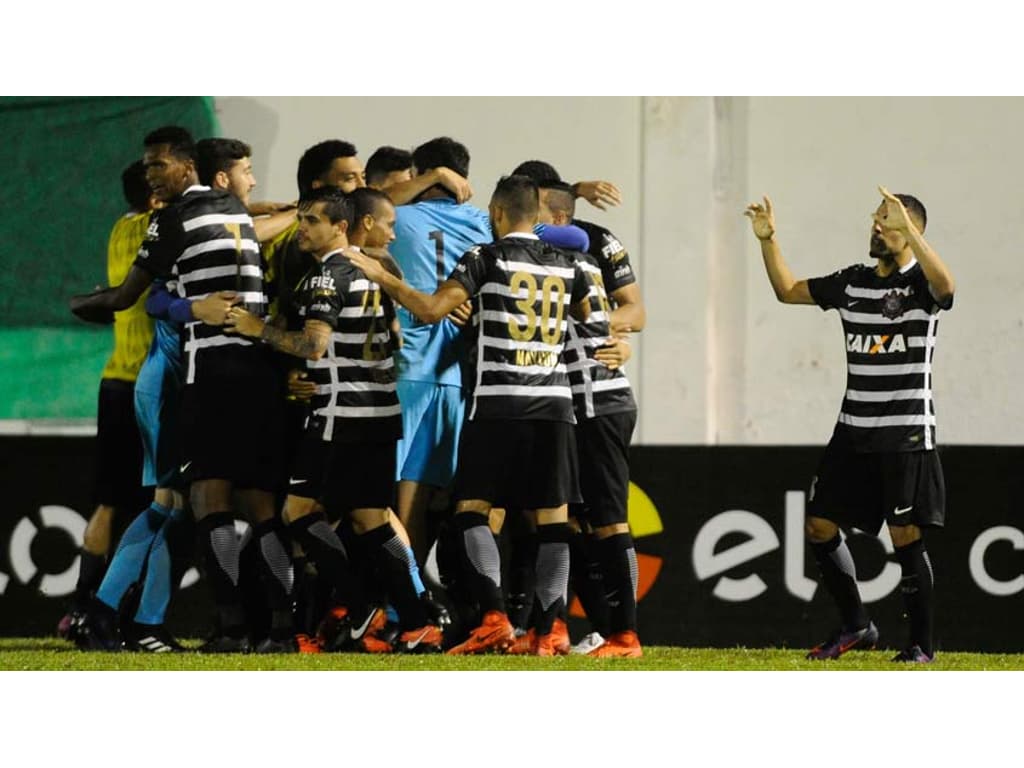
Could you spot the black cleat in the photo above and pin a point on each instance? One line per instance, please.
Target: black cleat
(270, 645)
(152, 639)
(864, 639)
(98, 630)
(914, 655)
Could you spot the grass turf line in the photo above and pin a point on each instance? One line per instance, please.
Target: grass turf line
(51, 654)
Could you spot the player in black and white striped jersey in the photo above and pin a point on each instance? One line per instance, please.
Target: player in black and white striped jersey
(881, 464)
(517, 446)
(605, 418)
(230, 408)
(348, 453)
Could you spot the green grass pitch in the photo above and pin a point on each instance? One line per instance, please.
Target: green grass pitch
(52, 654)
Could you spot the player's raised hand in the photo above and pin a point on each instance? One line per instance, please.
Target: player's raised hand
(762, 218)
(895, 214)
(599, 194)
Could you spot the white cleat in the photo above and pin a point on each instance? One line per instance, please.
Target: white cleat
(588, 643)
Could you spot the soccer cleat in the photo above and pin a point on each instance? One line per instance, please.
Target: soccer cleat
(152, 639)
(620, 645)
(333, 628)
(436, 611)
(307, 644)
(98, 630)
(69, 624)
(545, 645)
(428, 639)
(914, 655)
(270, 645)
(588, 643)
(495, 633)
(524, 643)
(225, 644)
(842, 641)
(560, 637)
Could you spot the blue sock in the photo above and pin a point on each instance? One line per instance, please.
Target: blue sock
(414, 573)
(126, 565)
(156, 589)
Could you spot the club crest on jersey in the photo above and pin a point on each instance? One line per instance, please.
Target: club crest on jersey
(892, 304)
(875, 344)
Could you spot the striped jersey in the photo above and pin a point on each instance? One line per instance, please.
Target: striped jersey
(206, 242)
(133, 328)
(356, 398)
(890, 325)
(610, 254)
(430, 237)
(524, 289)
(596, 389)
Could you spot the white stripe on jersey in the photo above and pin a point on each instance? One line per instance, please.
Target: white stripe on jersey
(359, 338)
(529, 346)
(360, 312)
(932, 327)
(356, 386)
(863, 396)
(535, 269)
(229, 270)
(604, 385)
(513, 390)
(921, 341)
(888, 370)
(342, 362)
(216, 218)
(501, 289)
(224, 244)
(193, 345)
(356, 411)
(887, 421)
(247, 297)
(867, 318)
(520, 320)
(875, 293)
(528, 370)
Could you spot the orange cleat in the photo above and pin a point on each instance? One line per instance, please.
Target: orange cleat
(560, 637)
(523, 644)
(428, 639)
(495, 633)
(623, 645)
(307, 644)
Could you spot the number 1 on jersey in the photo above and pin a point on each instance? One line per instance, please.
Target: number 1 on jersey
(438, 237)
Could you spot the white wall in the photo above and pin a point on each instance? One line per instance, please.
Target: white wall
(721, 361)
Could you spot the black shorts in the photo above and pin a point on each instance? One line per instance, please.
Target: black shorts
(603, 445)
(118, 481)
(518, 463)
(860, 490)
(232, 425)
(345, 476)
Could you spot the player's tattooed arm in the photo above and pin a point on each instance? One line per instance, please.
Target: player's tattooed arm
(310, 343)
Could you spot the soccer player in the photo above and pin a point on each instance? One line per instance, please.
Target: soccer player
(431, 235)
(388, 166)
(517, 446)
(348, 456)
(605, 418)
(119, 452)
(230, 414)
(881, 463)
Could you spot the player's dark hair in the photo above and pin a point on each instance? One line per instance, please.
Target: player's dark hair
(366, 201)
(215, 155)
(537, 170)
(316, 161)
(337, 205)
(136, 189)
(387, 160)
(561, 198)
(178, 139)
(915, 208)
(439, 152)
(518, 196)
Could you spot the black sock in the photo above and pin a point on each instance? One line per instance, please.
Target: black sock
(521, 577)
(618, 561)
(585, 575)
(552, 574)
(90, 575)
(217, 545)
(840, 578)
(277, 576)
(481, 561)
(917, 588)
(324, 548)
(393, 561)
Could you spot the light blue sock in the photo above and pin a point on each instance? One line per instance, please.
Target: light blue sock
(126, 565)
(156, 589)
(414, 572)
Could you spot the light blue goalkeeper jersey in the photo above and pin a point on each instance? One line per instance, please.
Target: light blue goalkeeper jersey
(430, 238)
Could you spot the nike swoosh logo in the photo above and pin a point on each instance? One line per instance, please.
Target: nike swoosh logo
(411, 644)
(185, 466)
(357, 632)
(903, 511)
(851, 303)
(292, 481)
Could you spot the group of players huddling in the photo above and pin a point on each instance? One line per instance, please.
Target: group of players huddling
(359, 375)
